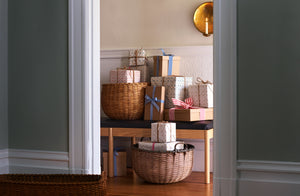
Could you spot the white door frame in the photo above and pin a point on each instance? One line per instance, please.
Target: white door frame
(225, 100)
(84, 77)
(84, 86)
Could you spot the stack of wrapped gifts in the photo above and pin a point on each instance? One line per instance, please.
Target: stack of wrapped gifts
(163, 138)
(165, 98)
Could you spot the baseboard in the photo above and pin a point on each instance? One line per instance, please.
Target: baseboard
(34, 161)
(224, 186)
(4, 163)
(268, 178)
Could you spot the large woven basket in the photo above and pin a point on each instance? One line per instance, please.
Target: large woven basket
(123, 101)
(52, 185)
(163, 167)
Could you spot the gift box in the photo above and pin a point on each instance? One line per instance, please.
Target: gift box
(137, 57)
(166, 65)
(206, 94)
(154, 103)
(202, 95)
(120, 163)
(188, 114)
(163, 132)
(144, 69)
(160, 147)
(124, 76)
(176, 87)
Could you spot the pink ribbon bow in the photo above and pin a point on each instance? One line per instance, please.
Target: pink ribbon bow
(186, 104)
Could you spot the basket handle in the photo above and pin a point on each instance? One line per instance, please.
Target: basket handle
(184, 145)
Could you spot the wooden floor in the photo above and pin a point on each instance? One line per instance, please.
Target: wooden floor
(133, 185)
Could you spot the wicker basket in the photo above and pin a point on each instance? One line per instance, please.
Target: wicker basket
(163, 167)
(52, 184)
(123, 101)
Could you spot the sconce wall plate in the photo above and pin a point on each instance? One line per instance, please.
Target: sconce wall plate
(203, 18)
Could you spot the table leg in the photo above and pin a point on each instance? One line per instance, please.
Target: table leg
(207, 158)
(133, 141)
(110, 153)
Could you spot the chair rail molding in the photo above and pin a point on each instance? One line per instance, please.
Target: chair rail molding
(84, 86)
(225, 101)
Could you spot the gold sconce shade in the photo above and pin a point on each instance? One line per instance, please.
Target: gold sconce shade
(203, 18)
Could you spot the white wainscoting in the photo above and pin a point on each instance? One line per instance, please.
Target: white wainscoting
(4, 163)
(34, 161)
(261, 178)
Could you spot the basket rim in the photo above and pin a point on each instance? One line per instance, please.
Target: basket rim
(187, 148)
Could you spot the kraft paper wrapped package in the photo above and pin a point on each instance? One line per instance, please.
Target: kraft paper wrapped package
(154, 103)
(124, 76)
(176, 87)
(188, 115)
(164, 66)
(160, 147)
(163, 132)
(202, 95)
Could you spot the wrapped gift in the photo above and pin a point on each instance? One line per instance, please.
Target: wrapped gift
(188, 115)
(176, 87)
(163, 132)
(163, 66)
(137, 57)
(120, 163)
(124, 76)
(185, 111)
(144, 69)
(161, 147)
(206, 95)
(154, 103)
(202, 93)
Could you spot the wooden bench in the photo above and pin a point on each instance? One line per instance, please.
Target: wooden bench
(140, 128)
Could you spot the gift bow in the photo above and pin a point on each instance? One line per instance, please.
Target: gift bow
(152, 101)
(186, 104)
(200, 81)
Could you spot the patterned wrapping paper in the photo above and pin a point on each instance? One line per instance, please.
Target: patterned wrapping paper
(193, 92)
(160, 147)
(163, 132)
(145, 75)
(176, 87)
(202, 95)
(124, 76)
(206, 95)
(137, 57)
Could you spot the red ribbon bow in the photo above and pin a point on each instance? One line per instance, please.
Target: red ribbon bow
(186, 104)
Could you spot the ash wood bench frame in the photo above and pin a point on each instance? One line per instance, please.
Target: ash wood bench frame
(111, 132)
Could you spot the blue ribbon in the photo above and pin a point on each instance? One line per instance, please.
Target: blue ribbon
(170, 67)
(152, 101)
(115, 161)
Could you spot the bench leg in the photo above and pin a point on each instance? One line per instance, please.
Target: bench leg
(207, 158)
(110, 153)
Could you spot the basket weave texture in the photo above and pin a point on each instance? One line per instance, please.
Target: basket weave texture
(123, 101)
(163, 167)
(52, 185)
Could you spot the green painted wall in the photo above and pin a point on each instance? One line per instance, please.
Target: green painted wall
(268, 80)
(38, 74)
(3, 76)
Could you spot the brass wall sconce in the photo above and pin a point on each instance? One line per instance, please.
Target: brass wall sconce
(203, 18)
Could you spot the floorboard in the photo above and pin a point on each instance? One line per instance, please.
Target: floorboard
(133, 185)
